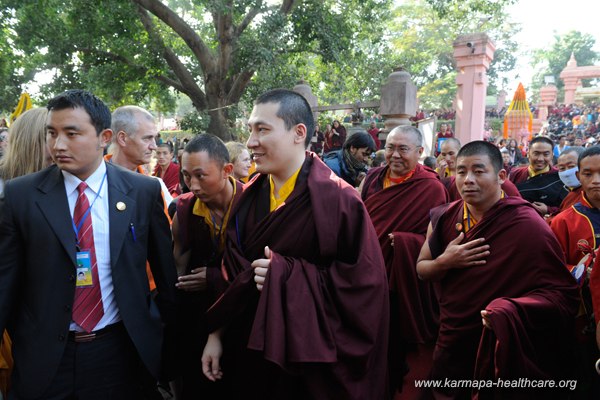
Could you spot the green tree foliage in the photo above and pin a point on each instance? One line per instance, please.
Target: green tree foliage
(208, 50)
(424, 30)
(14, 71)
(550, 61)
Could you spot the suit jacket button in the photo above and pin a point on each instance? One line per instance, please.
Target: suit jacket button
(72, 278)
(67, 308)
(61, 337)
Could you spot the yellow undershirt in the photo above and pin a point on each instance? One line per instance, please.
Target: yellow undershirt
(201, 209)
(276, 200)
(468, 220)
(533, 173)
(447, 172)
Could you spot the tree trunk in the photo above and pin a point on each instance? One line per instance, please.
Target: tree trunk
(219, 124)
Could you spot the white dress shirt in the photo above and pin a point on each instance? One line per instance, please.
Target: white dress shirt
(100, 226)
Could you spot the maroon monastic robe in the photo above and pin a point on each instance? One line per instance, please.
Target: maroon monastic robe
(171, 177)
(195, 236)
(524, 284)
(507, 186)
(403, 210)
(319, 327)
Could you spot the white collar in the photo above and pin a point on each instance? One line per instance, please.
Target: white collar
(93, 181)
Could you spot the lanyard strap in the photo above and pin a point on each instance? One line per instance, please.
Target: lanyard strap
(85, 215)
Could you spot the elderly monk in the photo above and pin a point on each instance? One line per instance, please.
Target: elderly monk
(398, 198)
(306, 313)
(479, 251)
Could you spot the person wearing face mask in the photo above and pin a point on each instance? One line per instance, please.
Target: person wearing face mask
(567, 171)
(577, 229)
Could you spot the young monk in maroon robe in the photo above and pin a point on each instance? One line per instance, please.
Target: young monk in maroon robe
(306, 314)
(496, 260)
(198, 244)
(166, 169)
(398, 198)
(539, 182)
(447, 171)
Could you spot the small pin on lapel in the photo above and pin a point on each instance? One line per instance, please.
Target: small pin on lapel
(459, 227)
(121, 206)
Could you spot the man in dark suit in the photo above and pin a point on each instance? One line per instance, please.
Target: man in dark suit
(96, 337)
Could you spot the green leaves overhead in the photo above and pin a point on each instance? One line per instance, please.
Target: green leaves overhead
(223, 52)
(424, 33)
(553, 59)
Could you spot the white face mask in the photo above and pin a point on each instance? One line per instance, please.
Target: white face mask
(568, 177)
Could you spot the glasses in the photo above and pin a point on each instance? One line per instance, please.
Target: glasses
(400, 149)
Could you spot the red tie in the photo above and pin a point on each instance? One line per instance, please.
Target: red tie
(87, 306)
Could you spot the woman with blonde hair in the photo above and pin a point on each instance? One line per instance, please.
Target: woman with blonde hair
(26, 152)
(239, 156)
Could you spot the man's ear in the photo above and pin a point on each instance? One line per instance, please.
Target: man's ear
(502, 176)
(228, 168)
(105, 137)
(121, 136)
(300, 134)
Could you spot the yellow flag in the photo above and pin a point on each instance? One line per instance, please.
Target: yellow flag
(24, 105)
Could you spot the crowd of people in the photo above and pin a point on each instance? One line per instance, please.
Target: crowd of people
(266, 271)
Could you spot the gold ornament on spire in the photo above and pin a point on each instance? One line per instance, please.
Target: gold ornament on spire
(518, 120)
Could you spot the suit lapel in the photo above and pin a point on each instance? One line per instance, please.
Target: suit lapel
(120, 210)
(54, 205)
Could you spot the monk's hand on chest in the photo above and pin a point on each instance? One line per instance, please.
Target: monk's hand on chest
(195, 281)
(261, 267)
(464, 255)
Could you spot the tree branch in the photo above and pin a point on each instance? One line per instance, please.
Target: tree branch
(286, 6)
(225, 31)
(117, 57)
(238, 86)
(195, 43)
(248, 18)
(180, 70)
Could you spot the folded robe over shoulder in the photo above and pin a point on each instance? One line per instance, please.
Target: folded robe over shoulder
(403, 210)
(322, 315)
(524, 284)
